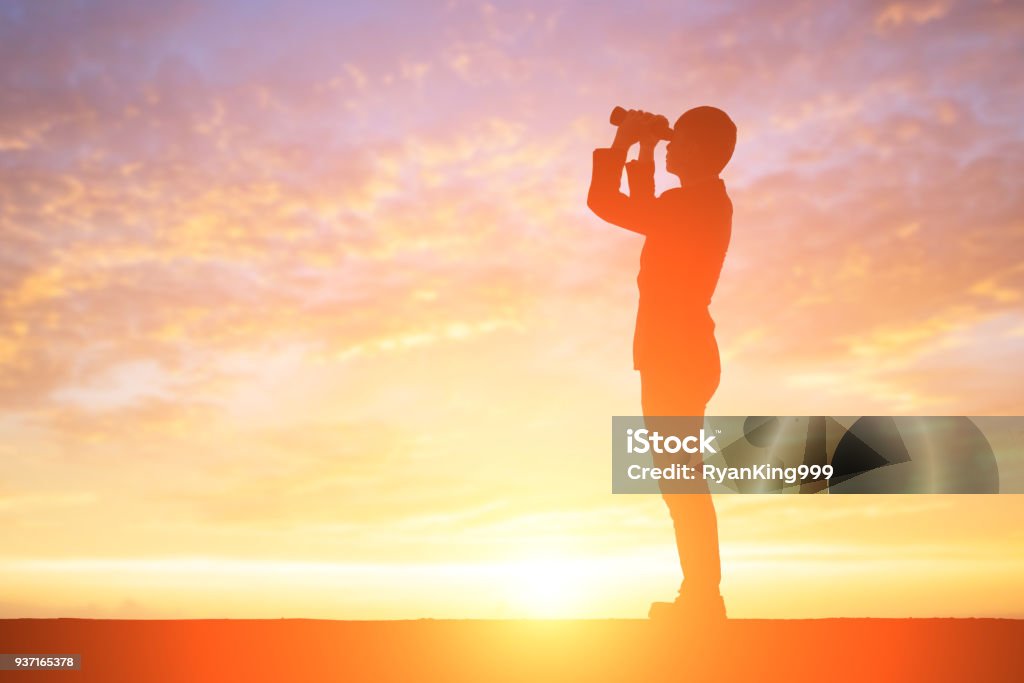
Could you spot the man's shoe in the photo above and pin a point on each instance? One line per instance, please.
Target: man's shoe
(690, 609)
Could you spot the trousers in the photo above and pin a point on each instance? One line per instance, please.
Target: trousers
(674, 397)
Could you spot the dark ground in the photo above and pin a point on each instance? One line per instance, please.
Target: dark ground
(612, 650)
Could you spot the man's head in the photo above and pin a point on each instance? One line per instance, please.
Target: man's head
(702, 143)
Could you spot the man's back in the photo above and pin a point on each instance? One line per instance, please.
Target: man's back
(680, 265)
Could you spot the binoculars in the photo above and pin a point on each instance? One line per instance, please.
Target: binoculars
(659, 123)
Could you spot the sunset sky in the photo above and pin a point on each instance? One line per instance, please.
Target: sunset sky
(303, 314)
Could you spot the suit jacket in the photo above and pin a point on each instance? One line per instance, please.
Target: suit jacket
(687, 231)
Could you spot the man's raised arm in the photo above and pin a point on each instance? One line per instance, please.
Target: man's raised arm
(636, 211)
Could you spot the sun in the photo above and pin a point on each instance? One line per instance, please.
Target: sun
(547, 587)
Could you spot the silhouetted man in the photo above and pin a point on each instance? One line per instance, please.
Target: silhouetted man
(687, 231)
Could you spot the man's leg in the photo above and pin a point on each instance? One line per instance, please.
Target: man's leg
(689, 502)
(696, 529)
